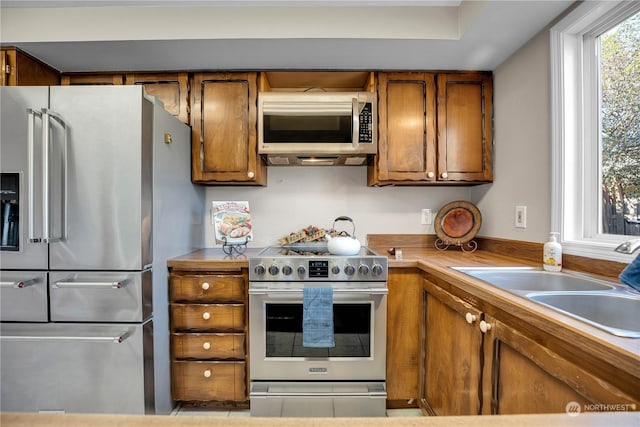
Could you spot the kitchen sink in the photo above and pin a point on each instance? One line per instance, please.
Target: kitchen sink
(533, 279)
(618, 314)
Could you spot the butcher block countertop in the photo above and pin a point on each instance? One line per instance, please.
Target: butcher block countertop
(601, 419)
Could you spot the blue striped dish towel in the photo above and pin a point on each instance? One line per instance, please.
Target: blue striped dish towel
(317, 317)
(631, 274)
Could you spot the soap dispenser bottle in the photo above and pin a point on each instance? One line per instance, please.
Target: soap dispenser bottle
(552, 254)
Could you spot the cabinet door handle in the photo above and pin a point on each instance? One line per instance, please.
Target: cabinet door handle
(207, 373)
(470, 318)
(206, 345)
(206, 315)
(205, 286)
(484, 326)
(251, 174)
(444, 175)
(430, 174)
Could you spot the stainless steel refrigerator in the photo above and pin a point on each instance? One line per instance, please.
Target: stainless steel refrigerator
(96, 195)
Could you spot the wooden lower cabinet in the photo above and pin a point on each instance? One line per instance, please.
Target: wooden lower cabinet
(208, 336)
(403, 337)
(524, 377)
(452, 370)
(475, 363)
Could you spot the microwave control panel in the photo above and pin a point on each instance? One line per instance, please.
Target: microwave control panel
(366, 129)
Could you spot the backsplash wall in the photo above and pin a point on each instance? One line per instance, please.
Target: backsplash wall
(297, 197)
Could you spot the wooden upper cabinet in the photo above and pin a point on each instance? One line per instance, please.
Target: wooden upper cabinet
(223, 120)
(170, 88)
(21, 69)
(465, 117)
(406, 128)
(433, 129)
(73, 79)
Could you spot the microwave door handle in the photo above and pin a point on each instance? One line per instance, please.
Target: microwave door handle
(31, 123)
(356, 122)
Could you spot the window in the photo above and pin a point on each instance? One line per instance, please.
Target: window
(595, 58)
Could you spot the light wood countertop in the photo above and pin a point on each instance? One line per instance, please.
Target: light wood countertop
(619, 419)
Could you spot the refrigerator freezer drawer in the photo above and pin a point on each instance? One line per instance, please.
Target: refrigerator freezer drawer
(95, 368)
(100, 296)
(23, 296)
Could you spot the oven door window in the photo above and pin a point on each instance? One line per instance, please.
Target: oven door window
(352, 331)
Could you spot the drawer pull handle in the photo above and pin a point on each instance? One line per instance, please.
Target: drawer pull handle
(207, 373)
(206, 315)
(206, 345)
(19, 284)
(205, 286)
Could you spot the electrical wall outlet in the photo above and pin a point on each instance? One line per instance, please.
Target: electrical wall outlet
(426, 217)
(521, 217)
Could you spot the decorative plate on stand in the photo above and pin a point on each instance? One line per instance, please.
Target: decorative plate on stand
(457, 223)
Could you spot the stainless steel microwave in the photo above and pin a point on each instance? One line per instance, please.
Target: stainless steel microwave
(317, 128)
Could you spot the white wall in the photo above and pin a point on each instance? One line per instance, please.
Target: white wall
(297, 197)
(522, 172)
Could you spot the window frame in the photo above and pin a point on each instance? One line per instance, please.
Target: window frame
(575, 186)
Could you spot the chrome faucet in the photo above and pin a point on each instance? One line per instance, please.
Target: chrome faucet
(628, 247)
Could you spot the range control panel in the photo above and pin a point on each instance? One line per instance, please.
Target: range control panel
(371, 268)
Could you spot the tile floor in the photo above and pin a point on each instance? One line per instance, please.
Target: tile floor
(212, 412)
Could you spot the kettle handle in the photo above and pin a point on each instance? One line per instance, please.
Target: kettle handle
(345, 218)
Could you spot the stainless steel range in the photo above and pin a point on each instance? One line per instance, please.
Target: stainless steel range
(291, 376)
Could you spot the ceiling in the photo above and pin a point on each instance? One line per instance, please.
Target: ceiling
(273, 35)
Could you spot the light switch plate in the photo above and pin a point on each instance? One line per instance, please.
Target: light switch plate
(521, 217)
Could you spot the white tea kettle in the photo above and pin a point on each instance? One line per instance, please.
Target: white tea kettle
(343, 243)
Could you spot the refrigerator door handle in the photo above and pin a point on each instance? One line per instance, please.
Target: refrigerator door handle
(107, 338)
(47, 115)
(69, 283)
(32, 114)
(18, 283)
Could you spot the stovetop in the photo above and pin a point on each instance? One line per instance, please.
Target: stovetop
(308, 251)
(315, 263)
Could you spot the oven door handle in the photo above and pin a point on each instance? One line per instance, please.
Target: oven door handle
(372, 291)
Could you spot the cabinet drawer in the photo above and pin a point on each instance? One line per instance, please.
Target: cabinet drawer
(208, 381)
(207, 288)
(207, 346)
(207, 317)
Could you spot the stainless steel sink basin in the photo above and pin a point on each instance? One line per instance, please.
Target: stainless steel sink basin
(618, 314)
(532, 279)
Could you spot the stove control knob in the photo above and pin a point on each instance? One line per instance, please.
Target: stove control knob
(273, 270)
(302, 270)
(335, 269)
(259, 269)
(349, 269)
(376, 269)
(363, 269)
(287, 270)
